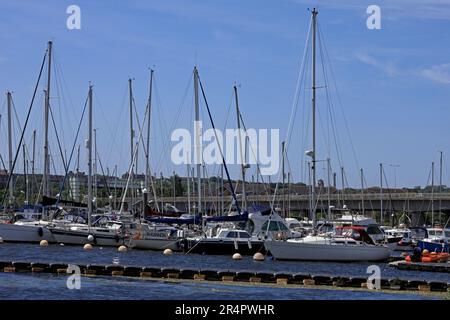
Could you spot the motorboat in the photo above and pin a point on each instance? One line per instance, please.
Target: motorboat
(438, 240)
(154, 237)
(225, 241)
(399, 239)
(348, 244)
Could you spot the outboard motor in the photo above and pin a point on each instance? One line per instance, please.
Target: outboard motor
(417, 255)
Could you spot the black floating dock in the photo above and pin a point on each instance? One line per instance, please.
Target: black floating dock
(242, 276)
(421, 266)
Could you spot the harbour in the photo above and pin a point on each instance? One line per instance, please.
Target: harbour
(180, 269)
(249, 188)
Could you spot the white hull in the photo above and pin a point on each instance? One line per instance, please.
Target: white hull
(81, 238)
(25, 233)
(155, 244)
(296, 250)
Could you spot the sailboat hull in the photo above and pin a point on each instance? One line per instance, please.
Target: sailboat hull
(285, 250)
(25, 233)
(156, 244)
(73, 237)
(225, 246)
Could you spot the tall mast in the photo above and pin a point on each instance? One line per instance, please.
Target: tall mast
(197, 142)
(381, 194)
(243, 165)
(78, 159)
(45, 177)
(10, 153)
(221, 189)
(313, 193)
(25, 174)
(32, 162)
(362, 192)
(189, 187)
(329, 188)
(147, 155)
(432, 194)
(89, 145)
(343, 187)
(95, 163)
(440, 186)
(283, 207)
(289, 194)
(131, 139)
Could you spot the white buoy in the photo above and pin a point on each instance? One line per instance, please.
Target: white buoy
(43, 243)
(237, 256)
(1, 240)
(167, 252)
(90, 238)
(61, 244)
(258, 256)
(122, 249)
(87, 246)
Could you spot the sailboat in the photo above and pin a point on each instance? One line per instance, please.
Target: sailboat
(34, 230)
(350, 244)
(225, 234)
(113, 234)
(150, 235)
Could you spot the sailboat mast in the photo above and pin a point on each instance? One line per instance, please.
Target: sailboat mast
(197, 142)
(147, 155)
(45, 177)
(25, 173)
(95, 163)
(238, 113)
(189, 187)
(313, 193)
(381, 194)
(10, 153)
(131, 138)
(32, 163)
(432, 194)
(362, 191)
(283, 173)
(440, 186)
(89, 145)
(329, 188)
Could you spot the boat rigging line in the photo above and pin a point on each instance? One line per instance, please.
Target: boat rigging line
(24, 128)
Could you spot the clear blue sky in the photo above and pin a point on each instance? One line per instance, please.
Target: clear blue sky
(393, 83)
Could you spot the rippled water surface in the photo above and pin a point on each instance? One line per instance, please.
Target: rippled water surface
(27, 286)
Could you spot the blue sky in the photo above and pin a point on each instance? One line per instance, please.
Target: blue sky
(393, 83)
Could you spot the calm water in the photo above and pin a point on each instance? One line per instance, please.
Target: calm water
(27, 286)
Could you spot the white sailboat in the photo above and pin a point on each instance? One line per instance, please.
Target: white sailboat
(344, 247)
(30, 231)
(113, 234)
(320, 248)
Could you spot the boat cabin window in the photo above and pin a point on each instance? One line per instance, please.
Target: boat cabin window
(235, 234)
(373, 230)
(274, 226)
(231, 234)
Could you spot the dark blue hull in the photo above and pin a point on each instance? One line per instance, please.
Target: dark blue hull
(432, 247)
